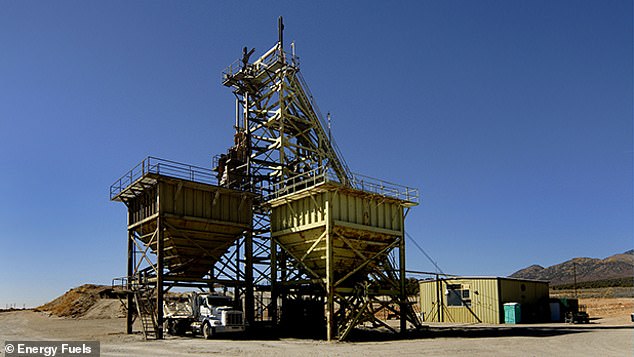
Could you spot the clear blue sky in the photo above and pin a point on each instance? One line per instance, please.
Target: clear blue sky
(514, 118)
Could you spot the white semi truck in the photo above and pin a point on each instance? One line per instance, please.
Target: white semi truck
(201, 314)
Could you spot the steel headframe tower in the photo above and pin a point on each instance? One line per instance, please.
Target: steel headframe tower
(278, 135)
(280, 138)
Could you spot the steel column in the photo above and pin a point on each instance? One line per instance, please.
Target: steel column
(249, 304)
(273, 308)
(331, 328)
(403, 302)
(130, 297)
(159, 268)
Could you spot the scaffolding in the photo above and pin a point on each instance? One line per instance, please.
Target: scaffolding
(279, 216)
(284, 156)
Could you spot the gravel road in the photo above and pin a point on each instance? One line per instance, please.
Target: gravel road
(604, 337)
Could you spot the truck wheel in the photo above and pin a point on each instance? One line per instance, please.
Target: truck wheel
(180, 330)
(171, 327)
(208, 332)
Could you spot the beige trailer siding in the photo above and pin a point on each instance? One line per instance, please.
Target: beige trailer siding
(522, 291)
(531, 295)
(484, 300)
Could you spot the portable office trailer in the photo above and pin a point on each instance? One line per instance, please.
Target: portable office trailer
(481, 299)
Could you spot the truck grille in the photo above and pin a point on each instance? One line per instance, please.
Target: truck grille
(234, 318)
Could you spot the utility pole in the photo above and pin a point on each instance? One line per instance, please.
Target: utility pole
(574, 271)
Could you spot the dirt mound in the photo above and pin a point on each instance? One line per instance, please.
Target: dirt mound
(80, 301)
(105, 309)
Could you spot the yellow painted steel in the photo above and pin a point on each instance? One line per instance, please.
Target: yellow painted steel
(486, 296)
(361, 225)
(200, 221)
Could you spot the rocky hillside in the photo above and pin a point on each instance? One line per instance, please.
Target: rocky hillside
(588, 269)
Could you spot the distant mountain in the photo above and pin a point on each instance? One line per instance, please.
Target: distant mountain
(588, 269)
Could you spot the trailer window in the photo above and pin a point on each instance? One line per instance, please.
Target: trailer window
(457, 295)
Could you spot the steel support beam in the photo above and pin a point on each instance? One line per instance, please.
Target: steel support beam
(249, 303)
(331, 327)
(159, 274)
(130, 271)
(403, 302)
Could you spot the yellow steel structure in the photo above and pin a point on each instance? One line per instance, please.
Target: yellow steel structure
(279, 134)
(286, 218)
(361, 225)
(329, 236)
(481, 299)
(341, 237)
(180, 228)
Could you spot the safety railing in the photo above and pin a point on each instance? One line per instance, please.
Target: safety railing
(324, 125)
(360, 182)
(385, 188)
(266, 61)
(163, 167)
(301, 181)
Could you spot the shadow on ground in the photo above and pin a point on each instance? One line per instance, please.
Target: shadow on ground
(382, 334)
(367, 335)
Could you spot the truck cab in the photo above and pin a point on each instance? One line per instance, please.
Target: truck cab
(216, 315)
(205, 314)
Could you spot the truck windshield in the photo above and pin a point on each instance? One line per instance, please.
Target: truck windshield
(218, 301)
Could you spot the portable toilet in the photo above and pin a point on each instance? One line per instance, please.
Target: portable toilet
(512, 313)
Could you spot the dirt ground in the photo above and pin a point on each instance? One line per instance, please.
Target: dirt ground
(609, 335)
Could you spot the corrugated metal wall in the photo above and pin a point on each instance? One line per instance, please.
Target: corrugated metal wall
(367, 211)
(142, 206)
(188, 199)
(531, 295)
(512, 291)
(204, 201)
(200, 222)
(306, 213)
(362, 225)
(427, 302)
(302, 213)
(483, 294)
(486, 299)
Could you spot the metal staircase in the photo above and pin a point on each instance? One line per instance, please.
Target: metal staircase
(144, 302)
(141, 302)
